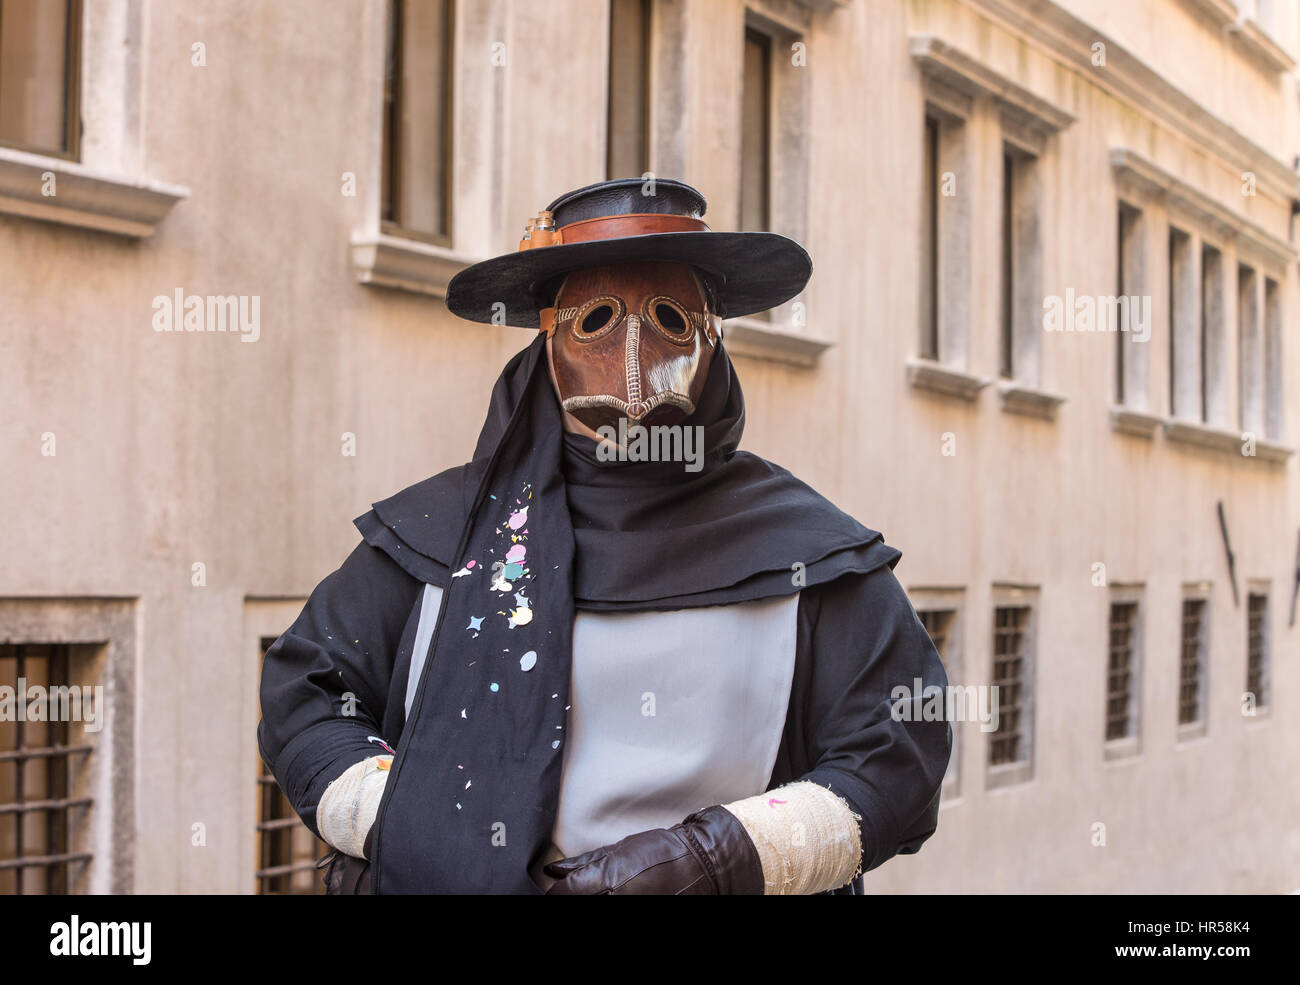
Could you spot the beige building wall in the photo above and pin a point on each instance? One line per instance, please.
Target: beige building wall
(174, 450)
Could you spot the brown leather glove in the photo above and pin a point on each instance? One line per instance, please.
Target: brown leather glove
(708, 854)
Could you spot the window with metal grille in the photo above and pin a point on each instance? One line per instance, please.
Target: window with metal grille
(1191, 691)
(1010, 673)
(41, 815)
(416, 185)
(287, 851)
(939, 624)
(1120, 720)
(40, 57)
(1257, 649)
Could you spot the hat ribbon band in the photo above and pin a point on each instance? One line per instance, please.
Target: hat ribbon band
(612, 227)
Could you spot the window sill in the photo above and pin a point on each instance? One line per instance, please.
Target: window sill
(1008, 775)
(382, 260)
(927, 374)
(1203, 435)
(1191, 732)
(1122, 750)
(1272, 451)
(1017, 398)
(1139, 423)
(759, 339)
(107, 203)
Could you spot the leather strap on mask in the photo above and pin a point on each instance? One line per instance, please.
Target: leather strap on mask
(546, 321)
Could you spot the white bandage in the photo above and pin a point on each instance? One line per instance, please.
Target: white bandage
(807, 838)
(347, 808)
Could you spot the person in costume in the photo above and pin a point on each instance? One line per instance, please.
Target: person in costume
(571, 666)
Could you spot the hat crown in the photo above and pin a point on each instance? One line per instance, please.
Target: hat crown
(628, 196)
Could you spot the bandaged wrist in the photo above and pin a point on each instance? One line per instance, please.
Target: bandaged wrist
(347, 808)
(807, 838)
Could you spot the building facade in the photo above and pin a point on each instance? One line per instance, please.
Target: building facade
(225, 230)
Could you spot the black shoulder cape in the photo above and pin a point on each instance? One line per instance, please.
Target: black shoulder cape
(530, 529)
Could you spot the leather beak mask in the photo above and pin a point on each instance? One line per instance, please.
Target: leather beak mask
(633, 341)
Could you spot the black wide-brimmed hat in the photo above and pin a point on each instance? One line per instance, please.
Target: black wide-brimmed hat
(621, 221)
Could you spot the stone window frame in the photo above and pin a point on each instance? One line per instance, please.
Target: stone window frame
(947, 371)
(1004, 775)
(104, 187)
(1262, 588)
(1130, 746)
(953, 657)
(383, 256)
(107, 627)
(781, 335)
(1132, 412)
(263, 617)
(1204, 220)
(1029, 123)
(1201, 591)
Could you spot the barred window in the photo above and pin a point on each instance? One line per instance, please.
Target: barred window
(940, 623)
(41, 771)
(40, 44)
(287, 850)
(1191, 688)
(1120, 690)
(1257, 649)
(1010, 672)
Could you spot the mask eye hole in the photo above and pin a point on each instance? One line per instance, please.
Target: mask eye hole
(671, 319)
(595, 318)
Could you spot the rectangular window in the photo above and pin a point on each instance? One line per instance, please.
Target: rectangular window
(1021, 307)
(41, 778)
(1257, 649)
(1010, 677)
(940, 624)
(1007, 347)
(1184, 330)
(945, 231)
(416, 190)
(40, 56)
(1273, 407)
(1249, 352)
(1121, 685)
(627, 148)
(1191, 676)
(1213, 338)
(1130, 357)
(755, 132)
(930, 243)
(287, 851)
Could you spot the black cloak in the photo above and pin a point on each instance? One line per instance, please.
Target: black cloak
(594, 535)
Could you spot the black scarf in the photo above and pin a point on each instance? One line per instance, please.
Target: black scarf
(536, 510)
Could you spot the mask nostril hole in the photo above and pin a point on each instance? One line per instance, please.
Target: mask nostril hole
(670, 318)
(597, 319)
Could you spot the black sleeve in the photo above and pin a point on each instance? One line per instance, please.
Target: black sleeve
(859, 639)
(325, 682)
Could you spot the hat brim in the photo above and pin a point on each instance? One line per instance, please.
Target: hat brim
(751, 272)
